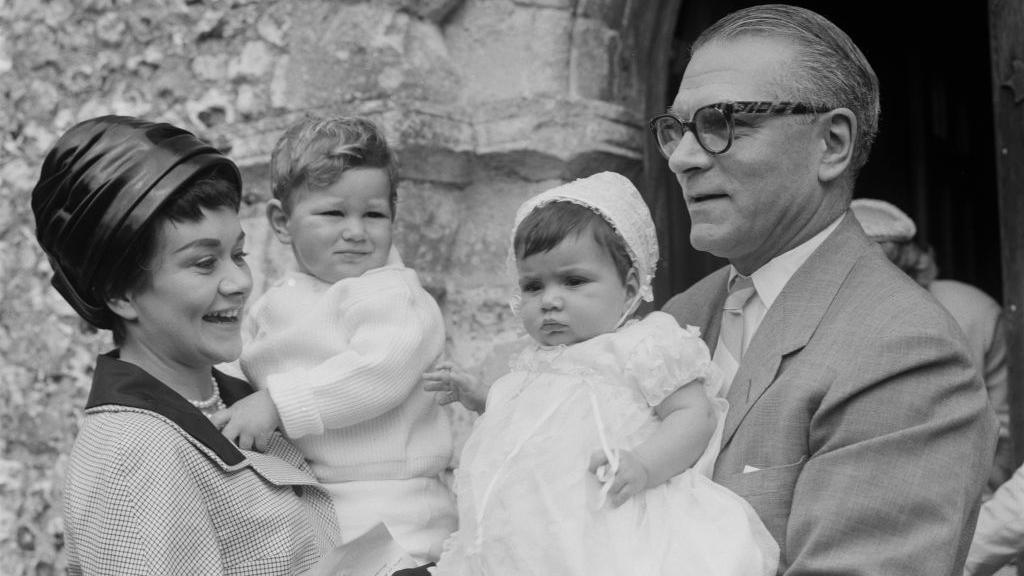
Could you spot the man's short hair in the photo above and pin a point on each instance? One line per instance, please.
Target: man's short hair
(830, 69)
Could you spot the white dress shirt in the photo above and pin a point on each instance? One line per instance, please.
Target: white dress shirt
(769, 280)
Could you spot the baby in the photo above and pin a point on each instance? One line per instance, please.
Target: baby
(595, 452)
(336, 348)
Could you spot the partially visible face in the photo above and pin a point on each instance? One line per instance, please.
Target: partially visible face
(345, 229)
(749, 203)
(189, 309)
(572, 292)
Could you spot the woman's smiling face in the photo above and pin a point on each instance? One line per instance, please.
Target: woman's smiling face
(189, 309)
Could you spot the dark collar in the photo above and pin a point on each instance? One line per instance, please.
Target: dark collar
(123, 384)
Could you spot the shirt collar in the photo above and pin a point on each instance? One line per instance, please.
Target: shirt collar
(124, 384)
(770, 279)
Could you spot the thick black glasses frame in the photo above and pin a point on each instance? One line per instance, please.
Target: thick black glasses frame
(728, 109)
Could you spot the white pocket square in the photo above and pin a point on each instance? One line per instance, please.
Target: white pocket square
(748, 468)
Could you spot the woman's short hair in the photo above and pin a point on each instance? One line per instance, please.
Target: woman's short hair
(315, 152)
(830, 69)
(547, 226)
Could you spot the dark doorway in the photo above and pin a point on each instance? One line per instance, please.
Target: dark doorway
(934, 156)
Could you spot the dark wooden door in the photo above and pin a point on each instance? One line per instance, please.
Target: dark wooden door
(1006, 24)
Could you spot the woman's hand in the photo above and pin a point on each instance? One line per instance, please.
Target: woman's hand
(250, 422)
(453, 384)
(628, 480)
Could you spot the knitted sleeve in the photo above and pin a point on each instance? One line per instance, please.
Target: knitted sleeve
(396, 332)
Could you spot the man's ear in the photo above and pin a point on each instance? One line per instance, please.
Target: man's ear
(838, 136)
(278, 218)
(123, 307)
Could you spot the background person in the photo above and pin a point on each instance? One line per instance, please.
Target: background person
(140, 222)
(977, 313)
(858, 428)
(999, 536)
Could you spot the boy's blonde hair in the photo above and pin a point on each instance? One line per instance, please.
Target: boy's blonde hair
(317, 151)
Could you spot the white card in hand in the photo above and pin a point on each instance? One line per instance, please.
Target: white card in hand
(373, 554)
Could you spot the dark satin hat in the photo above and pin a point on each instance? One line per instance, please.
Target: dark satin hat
(101, 183)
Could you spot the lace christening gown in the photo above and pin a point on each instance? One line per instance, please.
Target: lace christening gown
(528, 504)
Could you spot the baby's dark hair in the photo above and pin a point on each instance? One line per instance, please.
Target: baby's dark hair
(547, 226)
(210, 190)
(315, 152)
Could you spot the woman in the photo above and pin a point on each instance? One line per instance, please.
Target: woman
(140, 223)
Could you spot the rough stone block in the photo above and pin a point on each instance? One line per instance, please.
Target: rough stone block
(256, 58)
(6, 63)
(426, 224)
(611, 12)
(481, 245)
(432, 164)
(433, 10)
(561, 128)
(568, 5)
(594, 51)
(272, 29)
(355, 52)
(210, 66)
(506, 51)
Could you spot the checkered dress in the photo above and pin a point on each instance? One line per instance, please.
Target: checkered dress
(153, 488)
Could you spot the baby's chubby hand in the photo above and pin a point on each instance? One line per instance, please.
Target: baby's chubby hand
(627, 481)
(250, 422)
(453, 384)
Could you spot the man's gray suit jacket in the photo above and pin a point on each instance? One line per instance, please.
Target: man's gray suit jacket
(857, 427)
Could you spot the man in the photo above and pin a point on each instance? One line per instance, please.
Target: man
(858, 428)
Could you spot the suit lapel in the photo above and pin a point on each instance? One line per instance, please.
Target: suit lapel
(794, 316)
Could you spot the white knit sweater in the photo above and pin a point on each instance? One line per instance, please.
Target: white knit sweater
(343, 362)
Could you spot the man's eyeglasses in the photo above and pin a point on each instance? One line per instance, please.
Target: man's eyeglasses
(712, 125)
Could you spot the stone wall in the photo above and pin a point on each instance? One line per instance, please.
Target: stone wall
(486, 102)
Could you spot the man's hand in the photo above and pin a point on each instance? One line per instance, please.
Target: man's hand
(250, 422)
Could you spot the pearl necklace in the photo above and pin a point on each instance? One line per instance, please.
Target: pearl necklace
(212, 404)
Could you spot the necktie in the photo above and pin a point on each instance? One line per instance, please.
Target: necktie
(740, 291)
